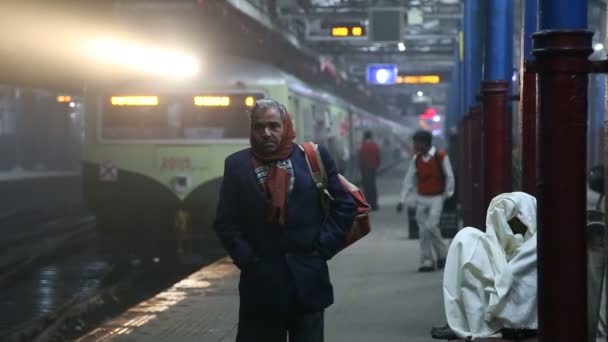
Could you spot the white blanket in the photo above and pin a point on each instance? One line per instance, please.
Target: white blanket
(490, 278)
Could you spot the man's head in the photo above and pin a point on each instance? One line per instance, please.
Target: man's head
(267, 125)
(367, 135)
(422, 141)
(517, 226)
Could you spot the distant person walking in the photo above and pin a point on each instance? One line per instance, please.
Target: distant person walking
(369, 159)
(430, 172)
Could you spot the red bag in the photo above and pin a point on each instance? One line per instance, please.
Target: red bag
(361, 225)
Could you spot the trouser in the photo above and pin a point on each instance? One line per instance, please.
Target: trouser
(270, 310)
(368, 180)
(428, 213)
(300, 327)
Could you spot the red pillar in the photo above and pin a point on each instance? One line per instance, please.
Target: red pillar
(562, 67)
(478, 211)
(528, 130)
(497, 139)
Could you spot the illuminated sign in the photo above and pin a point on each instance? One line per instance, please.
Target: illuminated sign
(212, 101)
(64, 98)
(348, 30)
(339, 31)
(418, 79)
(381, 74)
(134, 100)
(356, 31)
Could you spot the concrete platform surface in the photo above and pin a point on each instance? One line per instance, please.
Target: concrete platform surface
(379, 295)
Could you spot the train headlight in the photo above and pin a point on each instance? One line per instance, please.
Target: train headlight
(212, 101)
(134, 100)
(249, 101)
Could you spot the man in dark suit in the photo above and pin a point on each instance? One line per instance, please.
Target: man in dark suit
(271, 222)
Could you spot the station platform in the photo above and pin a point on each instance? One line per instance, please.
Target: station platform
(379, 295)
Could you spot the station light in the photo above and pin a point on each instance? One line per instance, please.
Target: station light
(165, 62)
(134, 100)
(249, 101)
(348, 30)
(212, 101)
(64, 98)
(381, 74)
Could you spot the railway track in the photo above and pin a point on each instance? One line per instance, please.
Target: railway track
(55, 285)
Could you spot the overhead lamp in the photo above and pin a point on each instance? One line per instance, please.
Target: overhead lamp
(401, 46)
(147, 59)
(420, 93)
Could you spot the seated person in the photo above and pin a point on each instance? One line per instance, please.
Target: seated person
(489, 282)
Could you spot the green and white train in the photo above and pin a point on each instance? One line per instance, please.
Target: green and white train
(154, 151)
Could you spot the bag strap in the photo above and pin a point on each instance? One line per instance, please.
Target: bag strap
(315, 164)
(317, 171)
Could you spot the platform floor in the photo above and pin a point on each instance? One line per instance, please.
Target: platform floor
(379, 296)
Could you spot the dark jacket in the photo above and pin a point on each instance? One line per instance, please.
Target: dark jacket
(262, 250)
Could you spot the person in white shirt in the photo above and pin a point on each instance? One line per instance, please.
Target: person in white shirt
(490, 279)
(430, 174)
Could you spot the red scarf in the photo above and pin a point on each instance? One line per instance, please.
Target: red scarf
(277, 181)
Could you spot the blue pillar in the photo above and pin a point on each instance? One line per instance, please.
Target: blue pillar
(453, 111)
(563, 14)
(499, 40)
(530, 26)
(472, 50)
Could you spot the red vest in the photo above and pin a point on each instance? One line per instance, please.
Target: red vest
(369, 155)
(431, 180)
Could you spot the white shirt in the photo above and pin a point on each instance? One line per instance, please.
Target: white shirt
(410, 177)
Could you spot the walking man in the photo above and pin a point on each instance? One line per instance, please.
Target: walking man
(369, 157)
(430, 173)
(271, 222)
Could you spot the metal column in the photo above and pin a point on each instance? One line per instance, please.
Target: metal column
(528, 100)
(561, 49)
(472, 66)
(495, 91)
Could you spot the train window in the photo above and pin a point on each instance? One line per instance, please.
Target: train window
(137, 122)
(216, 123)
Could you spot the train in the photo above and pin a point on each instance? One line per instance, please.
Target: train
(154, 151)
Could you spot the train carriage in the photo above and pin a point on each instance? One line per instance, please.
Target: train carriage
(154, 150)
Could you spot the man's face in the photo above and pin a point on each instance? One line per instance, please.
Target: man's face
(421, 147)
(267, 130)
(517, 226)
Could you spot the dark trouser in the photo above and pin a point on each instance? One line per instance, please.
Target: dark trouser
(270, 309)
(368, 179)
(301, 327)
